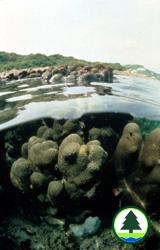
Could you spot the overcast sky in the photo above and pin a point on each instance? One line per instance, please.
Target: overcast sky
(124, 31)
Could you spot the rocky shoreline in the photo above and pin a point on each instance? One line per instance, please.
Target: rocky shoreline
(78, 73)
(129, 73)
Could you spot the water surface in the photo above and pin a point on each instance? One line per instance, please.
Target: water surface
(25, 100)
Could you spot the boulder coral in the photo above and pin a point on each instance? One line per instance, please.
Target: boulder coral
(35, 169)
(20, 173)
(55, 191)
(43, 156)
(128, 149)
(82, 166)
(40, 181)
(59, 129)
(138, 168)
(107, 137)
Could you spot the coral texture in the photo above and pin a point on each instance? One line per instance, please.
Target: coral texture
(43, 156)
(81, 165)
(137, 166)
(35, 169)
(20, 173)
(55, 191)
(59, 129)
(106, 136)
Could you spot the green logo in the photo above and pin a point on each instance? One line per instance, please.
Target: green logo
(131, 225)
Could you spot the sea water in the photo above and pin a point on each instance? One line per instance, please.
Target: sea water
(24, 103)
(25, 100)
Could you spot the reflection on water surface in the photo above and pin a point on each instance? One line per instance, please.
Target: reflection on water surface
(25, 100)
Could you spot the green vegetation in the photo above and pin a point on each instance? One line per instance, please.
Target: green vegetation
(12, 60)
(139, 69)
(15, 61)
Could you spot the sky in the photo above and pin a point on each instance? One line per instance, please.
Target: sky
(125, 31)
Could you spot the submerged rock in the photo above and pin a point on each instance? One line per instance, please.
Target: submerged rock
(90, 226)
(54, 222)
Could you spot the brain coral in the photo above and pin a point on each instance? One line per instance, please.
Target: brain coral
(81, 165)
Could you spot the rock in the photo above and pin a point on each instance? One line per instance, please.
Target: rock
(33, 75)
(86, 77)
(22, 73)
(90, 226)
(38, 247)
(47, 75)
(52, 211)
(70, 78)
(53, 221)
(78, 73)
(57, 78)
(41, 198)
(61, 69)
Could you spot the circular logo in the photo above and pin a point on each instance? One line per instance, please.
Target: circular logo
(131, 225)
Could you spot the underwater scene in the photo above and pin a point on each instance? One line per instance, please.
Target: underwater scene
(72, 155)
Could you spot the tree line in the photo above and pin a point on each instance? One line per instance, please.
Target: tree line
(10, 61)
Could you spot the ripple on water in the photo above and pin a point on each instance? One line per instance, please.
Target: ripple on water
(29, 99)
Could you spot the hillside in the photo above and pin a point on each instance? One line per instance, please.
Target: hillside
(139, 69)
(12, 60)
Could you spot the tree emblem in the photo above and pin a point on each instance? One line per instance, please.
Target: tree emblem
(131, 223)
